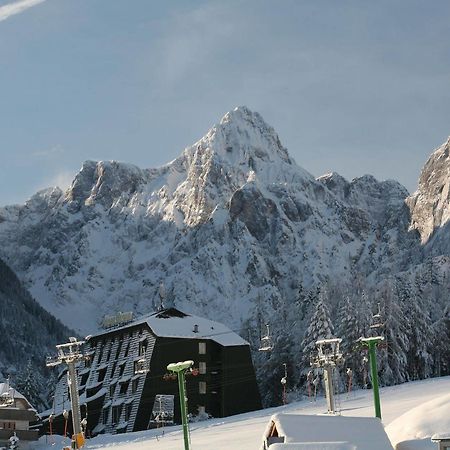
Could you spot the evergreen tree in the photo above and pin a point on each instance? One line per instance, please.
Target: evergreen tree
(320, 327)
(29, 384)
(349, 329)
(421, 336)
(394, 361)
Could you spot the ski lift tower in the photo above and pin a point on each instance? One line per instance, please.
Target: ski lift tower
(71, 354)
(371, 343)
(328, 358)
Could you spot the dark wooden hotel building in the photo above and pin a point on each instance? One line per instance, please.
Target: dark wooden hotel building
(125, 383)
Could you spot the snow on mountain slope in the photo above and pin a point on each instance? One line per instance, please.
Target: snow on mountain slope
(245, 431)
(233, 211)
(232, 220)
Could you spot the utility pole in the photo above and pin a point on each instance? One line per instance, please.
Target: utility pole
(371, 343)
(283, 383)
(180, 369)
(328, 358)
(71, 354)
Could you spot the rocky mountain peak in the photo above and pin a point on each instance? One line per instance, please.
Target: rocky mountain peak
(103, 182)
(430, 204)
(243, 142)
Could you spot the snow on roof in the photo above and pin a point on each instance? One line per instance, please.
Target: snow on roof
(176, 324)
(5, 388)
(314, 446)
(422, 422)
(363, 433)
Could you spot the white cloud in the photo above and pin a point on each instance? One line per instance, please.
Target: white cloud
(62, 179)
(17, 7)
(51, 151)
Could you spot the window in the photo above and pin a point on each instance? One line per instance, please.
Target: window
(113, 369)
(84, 379)
(201, 367)
(116, 413)
(202, 348)
(134, 385)
(127, 350)
(143, 347)
(112, 389)
(124, 387)
(119, 347)
(202, 387)
(101, 374)
(121, 369)
(128, 409)
(100, 356)
(109, 352)
(8, 425)
(201, 409)
(105, 416)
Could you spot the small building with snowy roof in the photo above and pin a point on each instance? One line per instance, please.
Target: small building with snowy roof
(324, 432)
(125, 385)
(16, 413)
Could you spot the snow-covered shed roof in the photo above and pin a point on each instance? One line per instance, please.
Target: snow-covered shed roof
(360, 433)
(314, 446)
(176, 324)
(6, 389)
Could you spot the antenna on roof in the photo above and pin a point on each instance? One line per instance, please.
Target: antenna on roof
(266, 341)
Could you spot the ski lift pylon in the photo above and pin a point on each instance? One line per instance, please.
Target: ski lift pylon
(266, 341)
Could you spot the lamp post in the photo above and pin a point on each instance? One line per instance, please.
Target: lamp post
(180, 369)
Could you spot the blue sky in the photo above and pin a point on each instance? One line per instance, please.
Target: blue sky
(352, 86)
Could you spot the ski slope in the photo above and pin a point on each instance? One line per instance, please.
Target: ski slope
(244, 431)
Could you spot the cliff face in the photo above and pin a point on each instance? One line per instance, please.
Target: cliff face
(430, 204)
(231, 221)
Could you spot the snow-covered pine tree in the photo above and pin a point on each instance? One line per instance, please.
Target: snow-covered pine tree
(320, 327)
(349, 329)
(421, 335)
(441, 347)
(394, 361)
(29, 384)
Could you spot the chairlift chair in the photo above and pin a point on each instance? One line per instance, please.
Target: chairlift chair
(266, 341)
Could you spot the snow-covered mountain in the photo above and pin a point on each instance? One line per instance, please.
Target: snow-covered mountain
(231, 226)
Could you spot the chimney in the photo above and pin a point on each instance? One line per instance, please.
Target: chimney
(195, 328)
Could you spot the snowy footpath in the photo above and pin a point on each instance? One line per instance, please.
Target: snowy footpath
(244, 431)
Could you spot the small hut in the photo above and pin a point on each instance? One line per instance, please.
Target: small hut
(16, 413)
(295, 431)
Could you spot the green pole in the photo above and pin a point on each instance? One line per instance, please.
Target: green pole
(374, 373)
(372, 343)
(179, 369)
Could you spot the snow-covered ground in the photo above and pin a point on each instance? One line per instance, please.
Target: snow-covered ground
(244, 431)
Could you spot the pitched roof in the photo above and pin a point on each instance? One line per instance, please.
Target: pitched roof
(176, 324)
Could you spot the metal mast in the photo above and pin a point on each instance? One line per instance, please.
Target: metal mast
(71, 354)
(180, 369)
(372, 342)
(328, 358)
